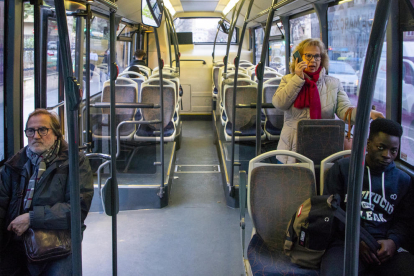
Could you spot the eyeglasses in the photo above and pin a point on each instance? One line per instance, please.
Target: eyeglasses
(42, 131)
(309, 57)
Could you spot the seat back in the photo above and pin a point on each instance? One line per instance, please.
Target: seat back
(318, 139)
(169, 76)
(137, 77)
(274, 115)
(126, 91)
(215, 76)
(274, 193)
(246, 94)
(150, 93)
(270, 75)
(328, 162)
(229, 78)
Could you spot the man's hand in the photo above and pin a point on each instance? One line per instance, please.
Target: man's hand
(20, 224)
(366, 254)
(387, 250)
(375, 115)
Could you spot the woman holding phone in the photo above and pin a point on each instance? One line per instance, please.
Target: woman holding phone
(309, 93)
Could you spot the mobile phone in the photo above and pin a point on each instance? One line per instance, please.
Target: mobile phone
(298, 56)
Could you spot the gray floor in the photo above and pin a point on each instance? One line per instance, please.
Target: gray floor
(197, 234)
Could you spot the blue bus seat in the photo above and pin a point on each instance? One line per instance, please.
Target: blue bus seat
(150, 93)
(275, 117)
(126, 91)
(318, 139)
(245, 121)
(274, 192)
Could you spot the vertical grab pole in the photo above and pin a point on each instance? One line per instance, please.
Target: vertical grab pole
(37, 53)
(72, 102)
(169, 34)
(215, 39)
(356, 168)
(259, 74)
(88, 79)
(176, 45)
(114, 199)
(230, 34)
(160, 65)
(236, 72)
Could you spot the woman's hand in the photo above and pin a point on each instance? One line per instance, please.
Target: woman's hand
(299, 67)
(376, 114)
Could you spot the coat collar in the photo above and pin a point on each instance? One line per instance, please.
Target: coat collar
(18, 161)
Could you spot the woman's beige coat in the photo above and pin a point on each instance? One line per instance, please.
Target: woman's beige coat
(333, 101)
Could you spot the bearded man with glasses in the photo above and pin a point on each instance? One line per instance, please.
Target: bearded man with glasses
(35, 193)
(309, 93)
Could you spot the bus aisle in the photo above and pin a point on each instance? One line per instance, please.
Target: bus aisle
(196, 234)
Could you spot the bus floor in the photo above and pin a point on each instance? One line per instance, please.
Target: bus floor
(196, 234)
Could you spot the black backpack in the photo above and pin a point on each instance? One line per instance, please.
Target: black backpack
(312, 227)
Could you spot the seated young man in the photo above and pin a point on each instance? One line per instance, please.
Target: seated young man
(139, 58)
(386, 206)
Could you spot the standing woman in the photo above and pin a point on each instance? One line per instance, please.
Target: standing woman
(309, 93)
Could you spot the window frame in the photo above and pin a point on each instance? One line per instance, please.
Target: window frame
(211, 43)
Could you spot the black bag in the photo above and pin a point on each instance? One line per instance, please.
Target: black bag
(312, 227)
(46, 245)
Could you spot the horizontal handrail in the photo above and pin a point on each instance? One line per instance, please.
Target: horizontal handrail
(275, 7)
(98, 156)
(56, 106)
(253, 105)
(204, 62)
(126, 105)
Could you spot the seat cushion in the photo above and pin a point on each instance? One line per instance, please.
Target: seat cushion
(272, 129)
(264, 262)
(263, 116)
(148, 131)
(224, 115)
(248, 130)
(215, 91)
(138, 115)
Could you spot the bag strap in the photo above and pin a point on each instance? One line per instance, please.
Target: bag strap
(365, 235)
(347, 119)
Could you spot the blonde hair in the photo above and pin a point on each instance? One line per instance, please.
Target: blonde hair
(54, 120)
(311, 42)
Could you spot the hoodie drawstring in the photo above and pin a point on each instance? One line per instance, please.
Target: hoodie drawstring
(383, 185)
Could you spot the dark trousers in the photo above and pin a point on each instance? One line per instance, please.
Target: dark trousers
(13, 262)
(333, 263)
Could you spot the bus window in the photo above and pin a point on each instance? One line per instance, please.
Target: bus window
(123, 54)
(277, 48)
(258, 38)
(99, 53)
(303, 27)
(407, 112)
(277, 55)
(349, 27)
(203, 29)
(2, 81)
(28, 63)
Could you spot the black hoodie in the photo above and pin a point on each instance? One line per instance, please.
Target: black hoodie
(386, 206)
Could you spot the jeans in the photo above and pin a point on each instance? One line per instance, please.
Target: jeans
(333, 263)
(13, 262)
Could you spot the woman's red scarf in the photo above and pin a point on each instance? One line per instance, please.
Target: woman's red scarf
(309, 95)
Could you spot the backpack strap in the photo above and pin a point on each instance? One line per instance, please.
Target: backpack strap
(364, 234)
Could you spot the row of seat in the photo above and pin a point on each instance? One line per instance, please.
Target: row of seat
(223, 85)
(133, 87)
(267, 190)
